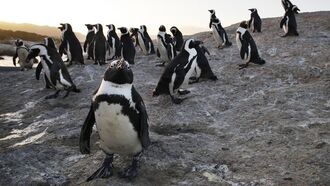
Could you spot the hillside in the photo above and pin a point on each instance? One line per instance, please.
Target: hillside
(41, 30)
(263, 125)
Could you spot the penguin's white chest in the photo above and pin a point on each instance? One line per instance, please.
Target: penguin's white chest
(116, 131)
(142, 45)
(216, 35)
(163, 51)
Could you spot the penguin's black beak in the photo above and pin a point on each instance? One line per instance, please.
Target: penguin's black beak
(251, 10)
(210, 11)
(155, 93)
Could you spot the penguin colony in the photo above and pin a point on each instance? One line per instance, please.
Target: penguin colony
(116, 107)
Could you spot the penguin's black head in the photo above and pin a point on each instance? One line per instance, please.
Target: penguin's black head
(174, 30)
(49, 42)
(98, 27)
(143, 28)
(243, 24)
(162, 28)
(36, 50)
(212, 11)
(190, 44)
(133, 30)
(19, 42)
(89, 26)
(123, 30)
(111, 27)
(253, 10)
(119, 72)
(295, 9)
(65, 27)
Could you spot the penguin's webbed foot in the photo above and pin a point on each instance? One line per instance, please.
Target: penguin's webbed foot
(67, 94)
(105, 171)
(177, 100)
(241, 66)
(129, 173)
(160, 64)
(53, 96)
(183, 92)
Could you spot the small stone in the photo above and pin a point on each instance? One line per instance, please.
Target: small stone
(320, 145)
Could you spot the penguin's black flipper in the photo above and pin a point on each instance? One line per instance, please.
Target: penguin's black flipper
(38, 71)
(282, 22)
(143, 128)
(158, 54)
(86, 132)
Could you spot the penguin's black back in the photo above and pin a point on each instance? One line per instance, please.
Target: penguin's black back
(128, 49)
(75, 47)
(100, 46)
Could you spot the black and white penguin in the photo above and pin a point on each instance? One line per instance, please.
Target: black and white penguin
(203, 69)
(287, 4)
(145, 41)
(134, 35)
(89, 41)
(177, 38)
(289, 23)
(218, 31)
(54, 68)
(247, 47)
(121, 120)
(113, 42)
(178, 72)
(22, 53)
(255, 21)
(100, 45)
(127, 49)
(71, 44)
(166, 50)
(49, 42)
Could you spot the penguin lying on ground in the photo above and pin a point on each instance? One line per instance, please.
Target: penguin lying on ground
(177, 38)
(247, 47)
(127, 46)
(121, 120)
(113, 42)
(100, 45)
(54, 68)
(179, 71)
(255, 21)
(218, 31)
(70, 44)
(165, 50)
(145, 41)
(288, 22)
(89, 41)
(22, 52)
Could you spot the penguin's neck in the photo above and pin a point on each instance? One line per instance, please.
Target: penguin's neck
(91, 30)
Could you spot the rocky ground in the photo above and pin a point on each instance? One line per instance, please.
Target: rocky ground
(264, 125)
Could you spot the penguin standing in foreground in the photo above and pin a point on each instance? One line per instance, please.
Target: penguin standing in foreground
(145, 41)
(121, 120)
(289, 23)
(49, 43)
(203, 69)
(255, 21)
(113, 42)
(287, 4)
(100, 45)
(247, 47)
(218, 31)
(166, 50)
(178, 72)
(21, 53)
(89, 41)
(127, 49)
(178, 38)
(54, 68)
(71, 44)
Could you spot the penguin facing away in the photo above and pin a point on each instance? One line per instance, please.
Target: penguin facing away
(178, 38)
(89, 41)
(113, 42)
(134, 35)
(145, 41)
(289, 23)
(255, 21)
(54, 68)
(100, 45)
(165, 50)
(21, 53)
(121, 120)
(287, 4)
(247, 47)
(127, 49)
(71, 44)
(219, 33)
(178, 72)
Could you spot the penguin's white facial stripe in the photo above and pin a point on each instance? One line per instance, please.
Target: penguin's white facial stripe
(98, 27)
(63, 81)
(192, 51)
(242, 31)
(46, 41)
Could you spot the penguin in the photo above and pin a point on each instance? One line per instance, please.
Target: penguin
(287, 4)
(219, 32)
(166, 50)
(145, 41)
(247, 47)
(54, 68)
(49, 42)
(288, 22)
(113, 42)
(203, 69)
(255, 21)
(121, 120)
(178, 38)
(21, 53)
(100, 45)
(178, 72)
(134, 35)
(127, 49)
(89, 42)
(71, 44)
